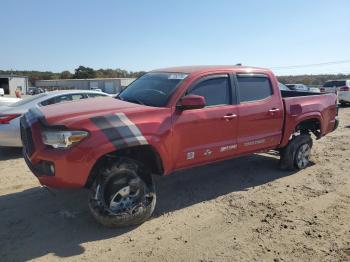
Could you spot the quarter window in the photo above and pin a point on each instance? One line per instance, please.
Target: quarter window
(214, 90)
(252, 88)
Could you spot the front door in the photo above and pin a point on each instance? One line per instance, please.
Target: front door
(207, 134)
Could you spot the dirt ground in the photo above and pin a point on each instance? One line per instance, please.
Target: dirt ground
(240, 210)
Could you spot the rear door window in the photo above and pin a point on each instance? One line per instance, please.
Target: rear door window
(253, 88)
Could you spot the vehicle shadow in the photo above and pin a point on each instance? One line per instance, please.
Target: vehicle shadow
(36, 221)
(8, 153)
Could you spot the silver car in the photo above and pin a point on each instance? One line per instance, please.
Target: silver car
(5, 101)
(10, 134)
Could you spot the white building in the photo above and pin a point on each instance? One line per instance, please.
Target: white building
(11, 82)
(108, 85)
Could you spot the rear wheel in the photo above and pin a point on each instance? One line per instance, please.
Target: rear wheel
(296, 155)
(302, 156)
(122, 195)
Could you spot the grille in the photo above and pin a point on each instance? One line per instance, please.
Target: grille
(26, 136)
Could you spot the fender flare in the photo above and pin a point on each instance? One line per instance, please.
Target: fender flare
(298, 120)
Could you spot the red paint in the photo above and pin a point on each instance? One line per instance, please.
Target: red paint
(213, 133)
(191, 102)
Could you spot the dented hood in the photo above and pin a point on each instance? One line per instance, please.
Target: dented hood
(65, 113)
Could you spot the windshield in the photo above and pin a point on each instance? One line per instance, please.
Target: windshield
(334, 83)
(152, 89)
(27, 100)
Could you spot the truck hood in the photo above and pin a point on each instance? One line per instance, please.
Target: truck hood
(65, 113)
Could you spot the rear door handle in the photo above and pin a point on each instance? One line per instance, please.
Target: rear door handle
(229, 117)
(274, 110)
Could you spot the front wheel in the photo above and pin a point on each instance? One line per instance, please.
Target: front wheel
(122, 195)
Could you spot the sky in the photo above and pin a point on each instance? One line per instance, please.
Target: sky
(147, 34)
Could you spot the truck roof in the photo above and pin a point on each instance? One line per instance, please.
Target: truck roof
(208, 68)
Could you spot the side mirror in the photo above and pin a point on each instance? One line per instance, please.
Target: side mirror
(191, 102)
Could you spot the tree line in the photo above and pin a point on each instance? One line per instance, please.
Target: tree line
(83, 72)
(311, 80)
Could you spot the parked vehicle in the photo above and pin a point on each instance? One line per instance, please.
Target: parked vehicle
(344, 93)
(332, 86)
(341, 87)
(97, 89)
(10, 114)
(4, 101)
(298, 87)
(283, 87)
(168, 120)
(314, 90)
(2, 92)
(35, 90)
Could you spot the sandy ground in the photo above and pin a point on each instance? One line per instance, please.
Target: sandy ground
(240, 210)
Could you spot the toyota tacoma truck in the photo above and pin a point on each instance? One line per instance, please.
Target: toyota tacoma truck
(167, 120)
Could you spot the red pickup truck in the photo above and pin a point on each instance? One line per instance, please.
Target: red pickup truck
(167, 120)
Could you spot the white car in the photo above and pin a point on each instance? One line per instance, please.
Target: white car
(344, 93)
(10, 135)
(298, 87)
(5, 101)
(341, 87)
(2, 92)
(332, 86)
(314, 90)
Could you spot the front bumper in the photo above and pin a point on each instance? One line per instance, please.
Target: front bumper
(68, 171)
(68, 168)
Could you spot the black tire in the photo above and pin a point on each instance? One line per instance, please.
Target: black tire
(290, 155)
(107, 203)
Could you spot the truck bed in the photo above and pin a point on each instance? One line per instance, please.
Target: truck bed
(293, 93)
(301, 106)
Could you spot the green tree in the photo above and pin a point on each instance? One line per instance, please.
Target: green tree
(83, 72)
(66, 75)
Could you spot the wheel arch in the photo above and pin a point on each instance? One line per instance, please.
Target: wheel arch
(145, 154)
(311, 122)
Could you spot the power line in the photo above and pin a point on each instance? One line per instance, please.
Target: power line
(315, 73)
(312, 65)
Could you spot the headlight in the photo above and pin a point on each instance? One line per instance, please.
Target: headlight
(63, 139)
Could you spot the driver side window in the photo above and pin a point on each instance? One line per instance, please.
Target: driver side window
(216, 91)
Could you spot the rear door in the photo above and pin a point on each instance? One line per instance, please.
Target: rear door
(260, 113)
(207, 134)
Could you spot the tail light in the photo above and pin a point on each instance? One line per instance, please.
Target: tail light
(322, 90)
(5, 119)
(344, 88)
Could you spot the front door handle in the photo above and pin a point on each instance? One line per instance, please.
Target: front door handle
(229, 117)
